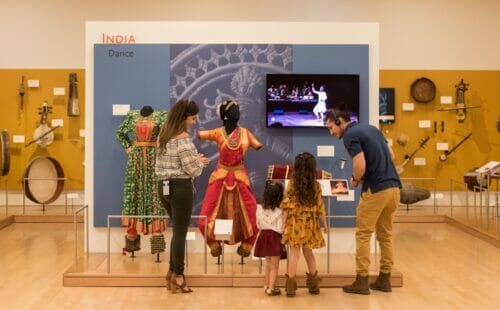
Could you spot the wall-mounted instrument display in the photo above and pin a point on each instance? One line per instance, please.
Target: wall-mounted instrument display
(4, 153)
(22, 91)
(43, 180)
(43, 135)
(73, 109)
(461, 108)
(447, 153)
(401, 168)
(423, 90)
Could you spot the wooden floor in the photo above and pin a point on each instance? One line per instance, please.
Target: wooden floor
(443, 267)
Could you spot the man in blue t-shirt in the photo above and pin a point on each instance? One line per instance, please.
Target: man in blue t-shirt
(373, 168)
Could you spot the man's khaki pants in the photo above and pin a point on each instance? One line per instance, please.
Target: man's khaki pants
(375, 212)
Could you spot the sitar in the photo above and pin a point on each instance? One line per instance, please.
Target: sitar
(447, 153)
(401, 168)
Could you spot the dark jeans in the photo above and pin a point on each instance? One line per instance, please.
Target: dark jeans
(179, 206)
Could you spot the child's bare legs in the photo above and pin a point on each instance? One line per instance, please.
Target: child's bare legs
(310, 259)
(293, 260)
(274, 263)
(268, 271)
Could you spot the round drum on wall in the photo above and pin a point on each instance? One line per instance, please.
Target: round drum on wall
(43, 181)
(423, 90)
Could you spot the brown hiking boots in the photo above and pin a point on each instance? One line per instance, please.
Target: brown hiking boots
(359, 286)
(383, 283)
(290, 286)
(312, 283)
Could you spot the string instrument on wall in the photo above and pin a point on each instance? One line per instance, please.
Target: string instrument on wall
(73, 109)
(447, 153)
(43, 135)
(401, 168)
(461, 108)
(4, 153)
(22, 91)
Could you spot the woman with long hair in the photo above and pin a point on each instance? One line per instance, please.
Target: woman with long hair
(177, 163)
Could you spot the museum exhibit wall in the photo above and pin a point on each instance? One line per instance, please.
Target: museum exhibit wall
(68, 145)
(441, 37)
(484, 144)
(160, 74)
(172, 56)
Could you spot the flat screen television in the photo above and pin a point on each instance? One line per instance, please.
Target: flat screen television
(386, 106)
(302, 100)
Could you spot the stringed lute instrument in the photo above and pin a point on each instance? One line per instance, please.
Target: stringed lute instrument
(401, 168)
(43, 135)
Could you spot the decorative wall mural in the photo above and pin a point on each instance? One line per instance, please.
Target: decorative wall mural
(209, 74)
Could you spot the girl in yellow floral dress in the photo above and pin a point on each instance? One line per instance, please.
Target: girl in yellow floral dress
(302, 207)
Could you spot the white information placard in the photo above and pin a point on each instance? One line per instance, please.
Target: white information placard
(419, 161)
(121, 109)
(18, 139)
(348, 197)
(326, 151)
(446, 99)
(57, 122)
(190, 236)
(424, 123)
(223, 229)
(72, 195)
(442, 146)
(408, 106)
(326, 189)
(33, 83)
(59, 91)
(82, 133)
(438, 195)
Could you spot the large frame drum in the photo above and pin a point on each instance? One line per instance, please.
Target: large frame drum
(4, 153)
(43, 180)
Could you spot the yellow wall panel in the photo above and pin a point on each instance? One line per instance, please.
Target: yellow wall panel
(484, 144)
(68, 146)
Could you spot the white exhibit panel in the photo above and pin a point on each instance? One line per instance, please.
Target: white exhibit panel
(57, 122)
(33, 83)
(59, 91)
(442, 146)
(223, 229)
(425, 123)
(348, 197)
(408, 106)
(18, 139)
(446, 99)
(326, 151)
(121, 109)
(419, 161)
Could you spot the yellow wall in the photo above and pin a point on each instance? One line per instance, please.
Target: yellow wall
(483, 146)
(68, 146)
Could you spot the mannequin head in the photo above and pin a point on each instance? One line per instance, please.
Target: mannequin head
(229, 111)
(146, 111)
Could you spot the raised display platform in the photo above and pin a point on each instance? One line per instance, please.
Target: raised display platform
(143, 271)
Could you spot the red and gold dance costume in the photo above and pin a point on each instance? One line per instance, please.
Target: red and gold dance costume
(228, 195)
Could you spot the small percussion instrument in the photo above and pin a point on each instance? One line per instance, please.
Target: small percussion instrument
(43, 180)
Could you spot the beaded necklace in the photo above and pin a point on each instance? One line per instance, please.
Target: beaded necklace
(233, 141)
